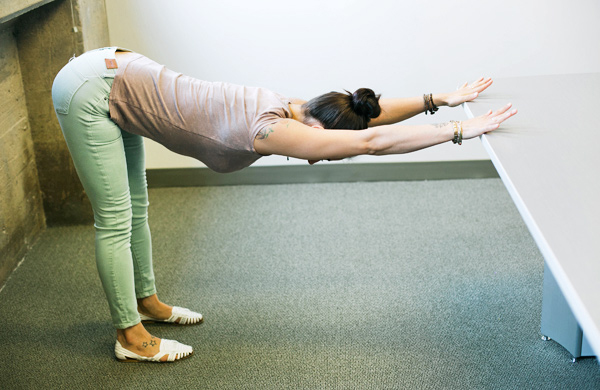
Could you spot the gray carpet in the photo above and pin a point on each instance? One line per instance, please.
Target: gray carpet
(406, 285)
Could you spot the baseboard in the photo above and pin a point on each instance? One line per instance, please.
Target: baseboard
(332, 173)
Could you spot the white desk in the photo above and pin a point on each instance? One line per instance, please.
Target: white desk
(548, 157)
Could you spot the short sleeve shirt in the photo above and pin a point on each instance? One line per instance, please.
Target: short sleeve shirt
(213, 122)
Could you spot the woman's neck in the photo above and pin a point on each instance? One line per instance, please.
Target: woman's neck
(296, 110)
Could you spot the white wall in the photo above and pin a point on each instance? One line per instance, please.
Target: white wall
(398, 48)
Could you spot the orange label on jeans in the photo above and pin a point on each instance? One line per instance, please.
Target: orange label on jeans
(111, 63)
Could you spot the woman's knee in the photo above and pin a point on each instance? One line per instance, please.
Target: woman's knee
(139, 208)
(139, 218)
(116, 216)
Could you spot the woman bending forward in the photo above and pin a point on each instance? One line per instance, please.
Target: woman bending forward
(107, 99)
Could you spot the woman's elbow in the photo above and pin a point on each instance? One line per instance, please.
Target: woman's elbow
(368, 144)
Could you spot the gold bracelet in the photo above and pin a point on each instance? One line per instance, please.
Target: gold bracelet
(455, 127)
(458, 135)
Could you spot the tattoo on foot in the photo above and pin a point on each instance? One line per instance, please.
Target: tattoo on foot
(152, 342)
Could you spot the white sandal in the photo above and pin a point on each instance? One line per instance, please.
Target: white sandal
(185, 317)
(174, 349)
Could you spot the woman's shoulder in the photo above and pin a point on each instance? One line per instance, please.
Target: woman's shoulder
(297, 101)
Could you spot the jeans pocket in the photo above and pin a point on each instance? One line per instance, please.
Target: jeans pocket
(66, 84)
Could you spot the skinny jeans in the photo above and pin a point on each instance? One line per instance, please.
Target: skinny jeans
(111, 166)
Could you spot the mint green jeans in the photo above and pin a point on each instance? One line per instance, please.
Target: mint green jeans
(111, 166)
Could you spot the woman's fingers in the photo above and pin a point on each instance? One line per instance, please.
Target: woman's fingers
(483, 85)
(492, 119)
(503, 109)
(500, 116)
(468, 92)
(476, 87)
(506, 115)
(487, 122)
(479, 82)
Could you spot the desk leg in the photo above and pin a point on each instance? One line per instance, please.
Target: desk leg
(558, 321)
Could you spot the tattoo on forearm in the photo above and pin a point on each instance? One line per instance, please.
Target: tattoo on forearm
(440, 125)
(264, 133)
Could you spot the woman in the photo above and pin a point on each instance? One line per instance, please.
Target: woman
(106, 100)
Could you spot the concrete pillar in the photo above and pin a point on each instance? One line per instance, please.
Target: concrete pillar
(21, 210)
(38, 182)
(47, 37)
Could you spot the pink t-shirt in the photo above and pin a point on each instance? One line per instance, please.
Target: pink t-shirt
(213, 122)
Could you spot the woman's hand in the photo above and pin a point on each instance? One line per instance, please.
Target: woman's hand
(487, 122)
(466, 92)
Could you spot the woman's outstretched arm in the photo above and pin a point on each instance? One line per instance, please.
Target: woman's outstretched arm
(398, 139)
(397, 110)
(292, 138)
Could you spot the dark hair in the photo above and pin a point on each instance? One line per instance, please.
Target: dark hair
(336, 110)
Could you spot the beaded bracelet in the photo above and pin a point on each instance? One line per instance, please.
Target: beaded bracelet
(429, 104)
(434, 108)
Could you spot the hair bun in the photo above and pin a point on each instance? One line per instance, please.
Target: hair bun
(366, 103)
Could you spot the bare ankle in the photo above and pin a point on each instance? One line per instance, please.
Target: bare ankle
(153, 307)
(133, 334)
(148, 301)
